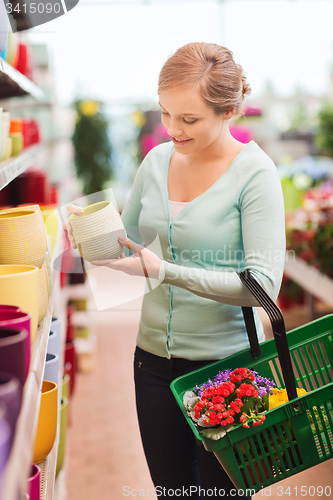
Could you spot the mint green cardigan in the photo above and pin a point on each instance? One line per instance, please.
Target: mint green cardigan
(238, 223)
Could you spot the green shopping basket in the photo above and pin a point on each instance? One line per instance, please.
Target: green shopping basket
(294, 436)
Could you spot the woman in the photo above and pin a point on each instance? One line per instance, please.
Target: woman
(217, 207)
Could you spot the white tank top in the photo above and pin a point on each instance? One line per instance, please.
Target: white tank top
(175, 207)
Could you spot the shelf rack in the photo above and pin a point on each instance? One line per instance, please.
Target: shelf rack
(19, 462)
(310, 279)
(13, 83)
(20, 459)
(16, 165)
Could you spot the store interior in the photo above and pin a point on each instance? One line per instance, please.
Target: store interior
(78, 113)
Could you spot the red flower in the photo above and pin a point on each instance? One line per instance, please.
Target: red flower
(240, 374)
(246, 390)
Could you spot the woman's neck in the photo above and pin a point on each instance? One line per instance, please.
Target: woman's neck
(224, 149)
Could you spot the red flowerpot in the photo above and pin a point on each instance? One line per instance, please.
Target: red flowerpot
(70, 357)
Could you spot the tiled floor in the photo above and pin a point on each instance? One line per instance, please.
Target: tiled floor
(105, 446)
(105, 454)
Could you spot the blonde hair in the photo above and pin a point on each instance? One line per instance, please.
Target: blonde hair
(212, 68)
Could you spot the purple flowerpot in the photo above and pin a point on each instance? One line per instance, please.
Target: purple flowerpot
(56, 326)
(33, 483)
(11, 397)
(13, 352)
(8, 308)
(5, 434)
(54, 343)
(18, 321)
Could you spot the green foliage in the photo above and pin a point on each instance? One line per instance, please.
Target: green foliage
(324, 137)
(92, 147)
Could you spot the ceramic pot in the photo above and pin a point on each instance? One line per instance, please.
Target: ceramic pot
(23, 237)
(12, 352)
(7, 308)
(8, 149)
(96, 231)
(65, 386)
(17, 144)
(21, 321)
(4, 132)
(56, 325)
(70, 356)
(15, 126)
(19, 286)
(68, 370)
(31, 187)
(54, 343)
(62, 434)
(47, 421)
(5, 436)
(43, 293)
(11, 397)
(33, 483)
(82, 332)
(51, 369)
(51, 220)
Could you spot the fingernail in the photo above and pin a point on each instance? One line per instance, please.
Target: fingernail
(122, 238)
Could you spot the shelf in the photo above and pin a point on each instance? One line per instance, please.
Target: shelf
(19, 462)
(20, 459)
(310, 279)
(16, 165)
(13, 83)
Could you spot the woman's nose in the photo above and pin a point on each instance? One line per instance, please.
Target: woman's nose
(174, 129)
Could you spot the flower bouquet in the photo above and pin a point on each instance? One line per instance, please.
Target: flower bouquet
(233, 397)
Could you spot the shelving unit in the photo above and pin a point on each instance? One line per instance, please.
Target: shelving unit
(17, 469)
(18, 164)
(20, 458)
(310, 279)
(13, 83)
(16, 93)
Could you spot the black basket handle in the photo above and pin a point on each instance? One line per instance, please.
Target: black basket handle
(279, 330)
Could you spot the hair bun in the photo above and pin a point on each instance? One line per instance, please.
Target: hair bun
(246, 88)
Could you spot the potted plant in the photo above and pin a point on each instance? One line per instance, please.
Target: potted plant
(92, 146)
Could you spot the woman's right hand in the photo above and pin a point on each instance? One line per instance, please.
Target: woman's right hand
(73, 209)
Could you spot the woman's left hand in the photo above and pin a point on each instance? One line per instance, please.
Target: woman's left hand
(142, 263)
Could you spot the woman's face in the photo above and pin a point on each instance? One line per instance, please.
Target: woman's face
(191, 123)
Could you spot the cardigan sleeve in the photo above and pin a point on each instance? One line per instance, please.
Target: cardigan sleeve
(261, 209)
(131, 212)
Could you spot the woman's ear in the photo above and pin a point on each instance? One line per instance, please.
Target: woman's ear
(229, 114)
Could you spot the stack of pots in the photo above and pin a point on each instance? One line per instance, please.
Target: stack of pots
(24, 297)
(23, 247)
(55, 358)
(16, 134)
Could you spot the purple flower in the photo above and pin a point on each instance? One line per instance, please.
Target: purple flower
(264, 384)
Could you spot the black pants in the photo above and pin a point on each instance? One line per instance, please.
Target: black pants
(179, 467)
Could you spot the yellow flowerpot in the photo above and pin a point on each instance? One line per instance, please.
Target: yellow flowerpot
(8, 149)
(62, 434)
(65, 386)
(43, 292)
(19, 286)
(51, 223)
(47, 422)
(23, 236)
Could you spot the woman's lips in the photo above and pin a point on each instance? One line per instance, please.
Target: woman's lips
(180, 143)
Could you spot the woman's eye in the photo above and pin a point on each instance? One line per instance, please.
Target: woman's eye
(189, 122)
(164, 113)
